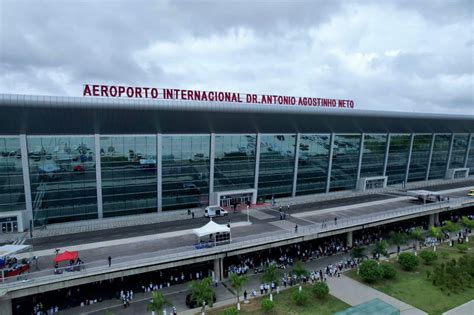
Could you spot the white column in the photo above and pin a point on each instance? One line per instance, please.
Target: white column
(159, 173)
(449, 154)
(211, 167)
(297, 157)
(349, 239)
(361, 152)
(412, 137)
(98, 176)
(430, 157)
(467, 150)
(257, 165)
(26, 179)
(331, 149)
(387, 151)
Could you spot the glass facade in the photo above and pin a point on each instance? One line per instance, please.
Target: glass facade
(439, 159)
(345, 159)
(129, 181)
(234, 164)
(458, 153)
(373, 156)
(419, 157)
(12, 193)
(397, 158)
(185, 172)
(277, 156)
(313, 164)
(470, 157)
(63, 180)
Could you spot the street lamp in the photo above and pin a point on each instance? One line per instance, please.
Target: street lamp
(248, 214)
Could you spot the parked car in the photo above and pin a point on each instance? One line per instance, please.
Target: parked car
(215, 211)
(191, 303)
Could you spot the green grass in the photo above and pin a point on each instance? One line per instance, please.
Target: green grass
(413, 287)
(285, 306)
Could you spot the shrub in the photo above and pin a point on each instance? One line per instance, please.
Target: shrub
(229, 311)
(321, 290)
(370, 271)
(408, 261)
(300, 297)
(267, 305)
(388, 271)
(462, 247)
(428, 256)
(444, 255)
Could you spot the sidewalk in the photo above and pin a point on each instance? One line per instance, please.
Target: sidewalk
(353, 292)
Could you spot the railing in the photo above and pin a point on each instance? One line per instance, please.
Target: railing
(181, 253)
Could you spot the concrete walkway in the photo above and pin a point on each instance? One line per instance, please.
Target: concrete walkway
(353, 292)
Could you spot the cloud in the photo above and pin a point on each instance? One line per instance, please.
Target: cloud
(411, 56)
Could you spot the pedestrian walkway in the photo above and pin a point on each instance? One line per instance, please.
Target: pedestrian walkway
(353, 293)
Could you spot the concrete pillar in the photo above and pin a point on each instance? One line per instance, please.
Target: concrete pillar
(331, 150)
(6, 307)
(361, 152)
(258, 140)
(349, 239)
(98, 176)
(26, 179)
(431, 221)
(449, 155)
(436, 218)
(407, 171)
(387, 151)
(159, 173)
(466, 157)
(218, 267)
(297, 157)
(430, 157)
(211, 166)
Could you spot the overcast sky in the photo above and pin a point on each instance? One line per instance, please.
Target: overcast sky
(389, 55)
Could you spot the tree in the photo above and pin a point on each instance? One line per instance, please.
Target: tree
(408, 261)
(380, 248)
(398, 239)
(428, 256)
(436, 233)
(358, 251)
(267, 305)
(157, 303)
(202, 292)
(300, 271)
(370, 270)
(417, 236)
(271, 275)
(468, 224)
(450, 227)
(237, 282)
(321, 290)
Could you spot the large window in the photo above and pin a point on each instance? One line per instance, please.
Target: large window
(345, 159)
(397, 158)
(277, 158)
(470, 158)
(129, 182)
(458, 153)
(185, 172)
(439, 159)
(373, 157)
(12, 193)
(312, 164)
(419, 157)
(234, 164)
(63, 181)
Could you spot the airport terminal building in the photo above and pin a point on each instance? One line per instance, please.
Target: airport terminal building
(79, 158)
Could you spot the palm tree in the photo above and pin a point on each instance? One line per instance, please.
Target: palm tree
(398, 239)
(299, 270)
(271, 275)
(380, 248)
(237, 282)
(450, 227)
(157, 303)
(417, 236)
(202, 292)
(436, 233)
(358, 251)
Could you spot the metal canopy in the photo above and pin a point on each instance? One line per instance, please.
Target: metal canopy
(50, 115)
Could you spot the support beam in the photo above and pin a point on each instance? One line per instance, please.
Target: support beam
(257, 165)
(361, 152)
(349, 242)
(387, 151)
(451, 142)
(26, 179)
(430, 157)
(431, 220)
(467, 150)
(217, 269)
(297, 158)
(6, 307)
(211, 165)
(159, 173)
(412, 137)
(331, 149)
(98, 176)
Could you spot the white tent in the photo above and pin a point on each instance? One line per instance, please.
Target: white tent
(211, 228)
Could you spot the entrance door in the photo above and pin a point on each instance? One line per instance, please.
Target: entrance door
(4, 227)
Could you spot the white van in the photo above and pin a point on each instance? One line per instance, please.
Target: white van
(214, 211)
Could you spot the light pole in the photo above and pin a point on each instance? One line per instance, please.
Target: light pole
(248, 214)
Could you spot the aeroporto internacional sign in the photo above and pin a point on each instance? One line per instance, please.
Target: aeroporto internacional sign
(210, 96)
